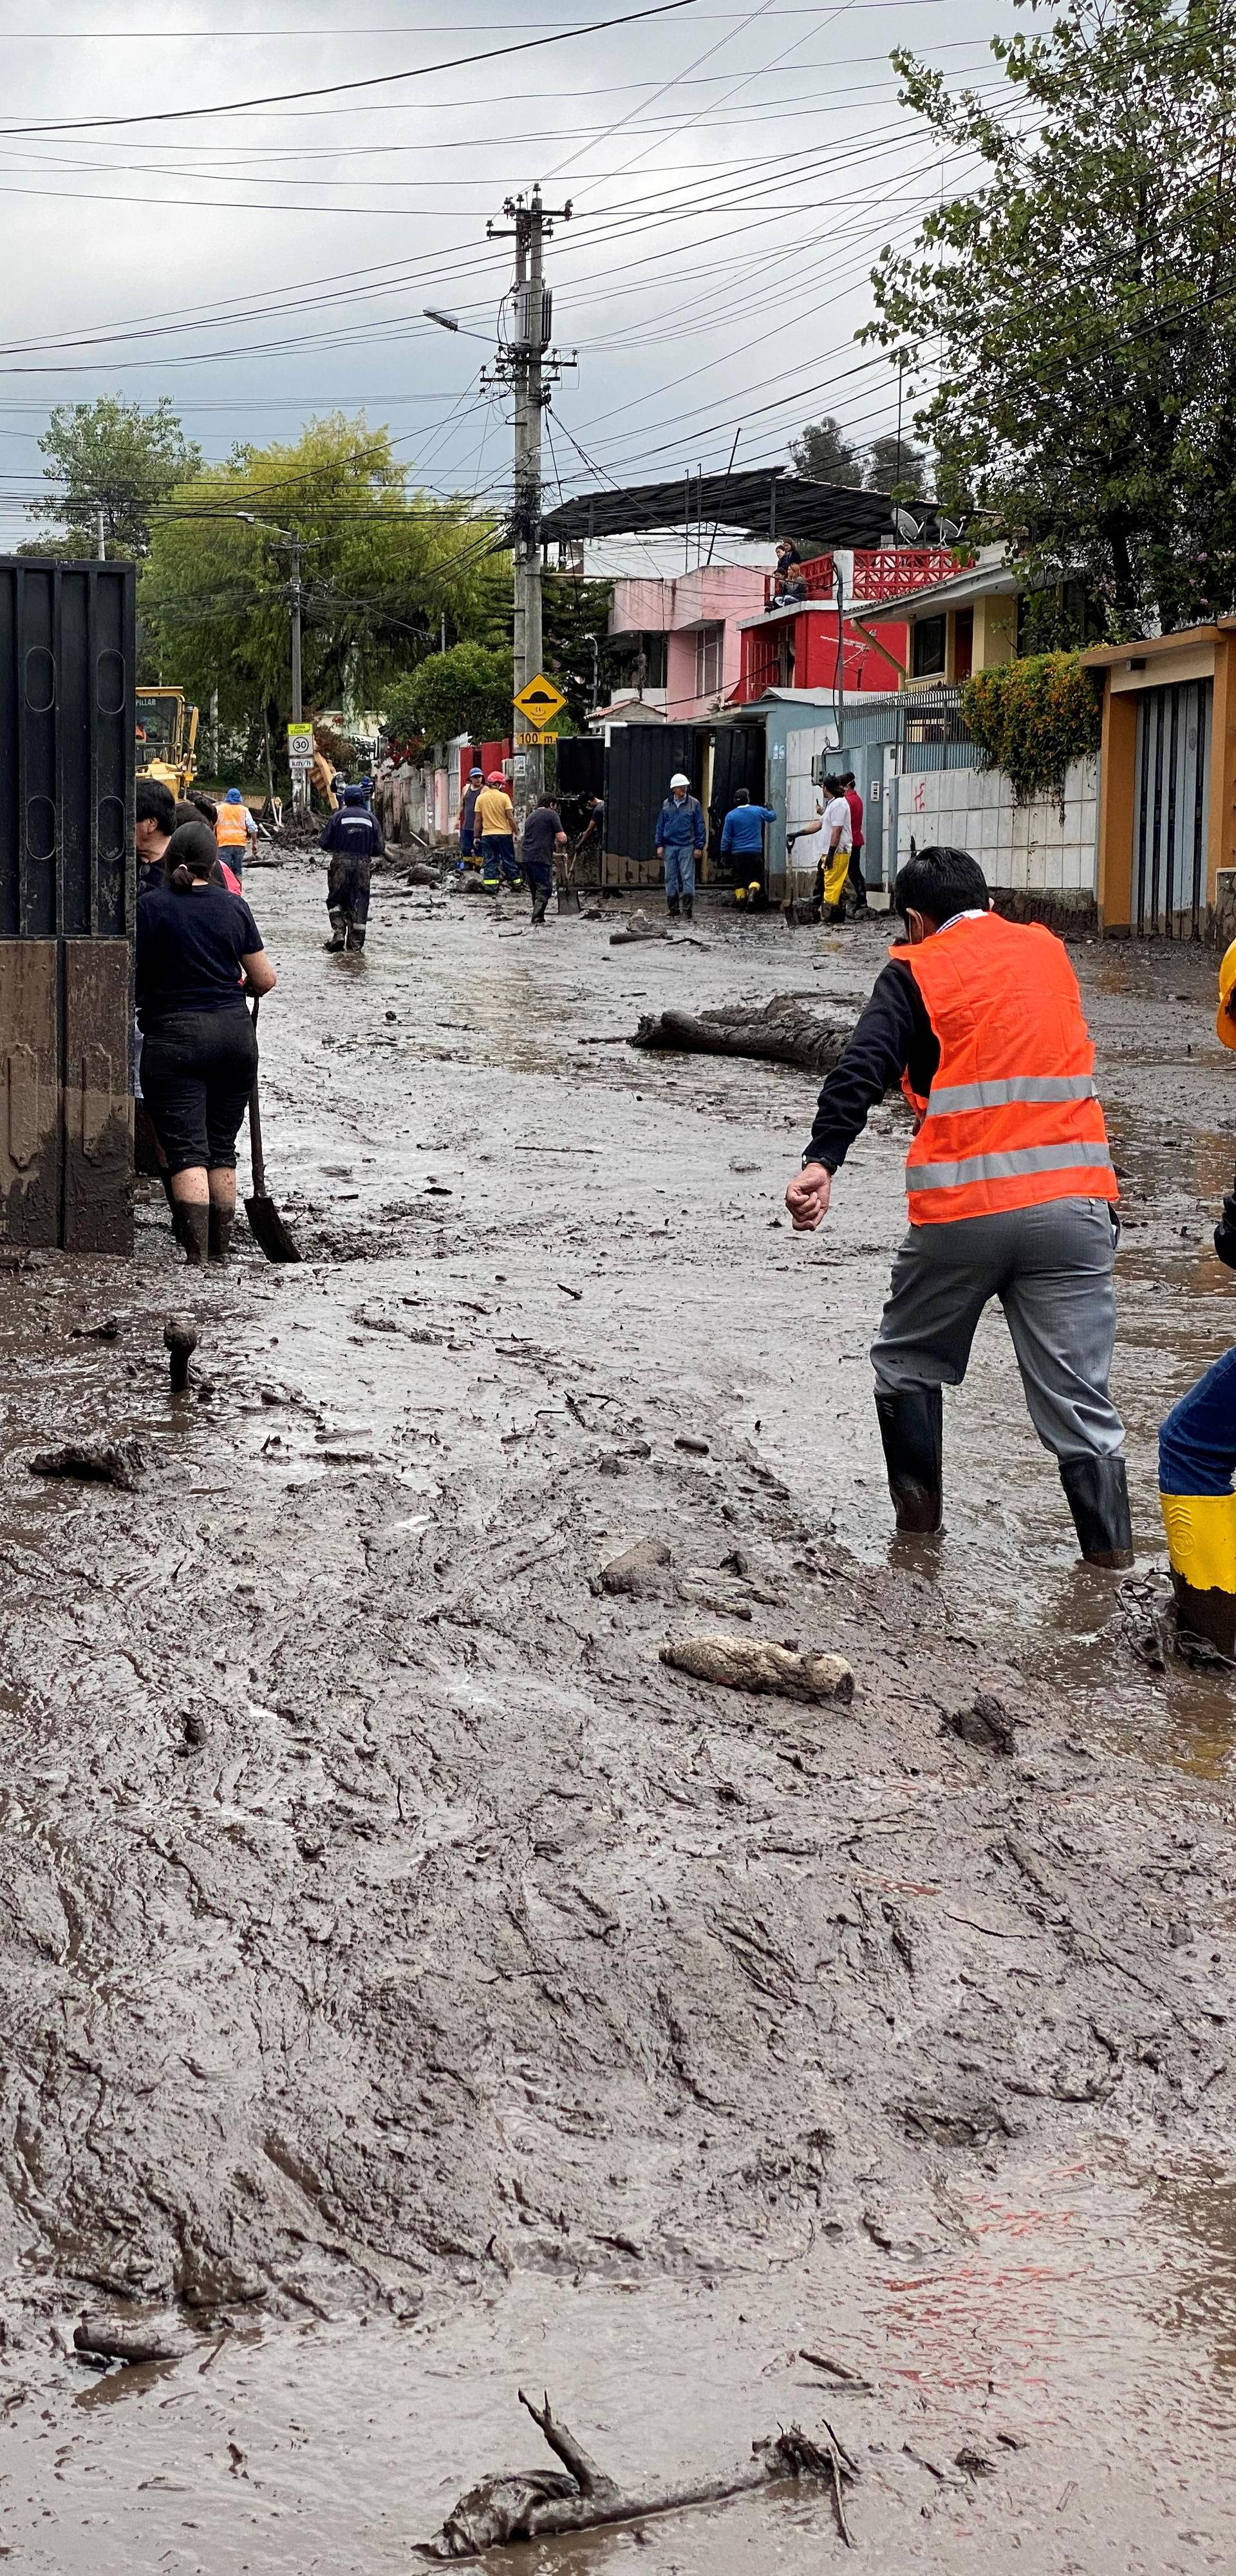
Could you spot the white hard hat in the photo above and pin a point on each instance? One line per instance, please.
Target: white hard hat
(678, 779)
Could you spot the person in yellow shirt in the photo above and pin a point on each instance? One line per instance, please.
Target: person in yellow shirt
(494, 827)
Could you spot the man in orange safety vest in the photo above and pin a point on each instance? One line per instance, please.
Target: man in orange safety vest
(235, 829)
(1010, 1185)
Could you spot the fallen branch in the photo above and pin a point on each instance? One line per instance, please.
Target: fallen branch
(535, 2504)
(755, 1664)
(786, 1031)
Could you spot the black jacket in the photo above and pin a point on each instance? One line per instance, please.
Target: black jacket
(893, 1036)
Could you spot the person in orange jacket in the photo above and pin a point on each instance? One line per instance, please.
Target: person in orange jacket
(1010, 1185)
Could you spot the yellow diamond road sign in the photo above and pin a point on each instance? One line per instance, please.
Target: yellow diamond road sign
(539, 702)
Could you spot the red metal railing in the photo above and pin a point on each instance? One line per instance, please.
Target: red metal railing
(893, 572)
(816, 577)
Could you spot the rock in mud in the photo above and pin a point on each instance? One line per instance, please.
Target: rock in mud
(986, 1724)
(95, 1462)
(638, 927)
(639, 1570)
(135, 2339)
(756, 1664)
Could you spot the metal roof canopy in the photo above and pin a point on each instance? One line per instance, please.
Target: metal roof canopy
(764, 502)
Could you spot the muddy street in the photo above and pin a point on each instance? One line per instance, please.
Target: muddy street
(414, 1987)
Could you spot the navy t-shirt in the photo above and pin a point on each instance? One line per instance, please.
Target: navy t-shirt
(541, 831)
(189, 948)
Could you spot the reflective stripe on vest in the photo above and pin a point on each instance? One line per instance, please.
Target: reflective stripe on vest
(1011, 1119)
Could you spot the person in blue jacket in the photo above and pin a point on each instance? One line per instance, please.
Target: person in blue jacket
(681, 839)
(742, 840)
(354, 839)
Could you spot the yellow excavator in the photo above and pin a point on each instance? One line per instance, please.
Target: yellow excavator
(166, 738)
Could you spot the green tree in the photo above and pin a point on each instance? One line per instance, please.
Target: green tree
(465, 690)
(1080, 305)
(824, 454)
(114, 457)
(895, 465)
(382, 565)
(576, 612)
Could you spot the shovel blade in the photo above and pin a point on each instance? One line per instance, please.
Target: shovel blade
(266, 1224)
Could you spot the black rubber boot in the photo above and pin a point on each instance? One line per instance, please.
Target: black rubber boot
(338, 931)
(175, 1206)
(539, 901)
(1097, 1493)
(672, 906)
(912, 1430)
(688, 907)
(195, 1232)
(221, 1223)
(356, 934)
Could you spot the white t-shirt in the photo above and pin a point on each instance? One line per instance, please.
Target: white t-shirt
(837, 817)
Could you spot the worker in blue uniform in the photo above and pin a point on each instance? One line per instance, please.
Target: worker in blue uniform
(742, 840)
(1197, 1449)
(354, 840)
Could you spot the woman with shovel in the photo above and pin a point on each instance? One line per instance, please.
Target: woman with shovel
(199, 951)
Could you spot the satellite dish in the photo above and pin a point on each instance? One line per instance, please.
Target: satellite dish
(950, 529)
(908, 529)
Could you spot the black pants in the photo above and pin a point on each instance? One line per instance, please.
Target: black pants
(856, 883)
(347, 886)
(198, 1069)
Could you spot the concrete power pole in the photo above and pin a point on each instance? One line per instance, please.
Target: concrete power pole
(530, 367)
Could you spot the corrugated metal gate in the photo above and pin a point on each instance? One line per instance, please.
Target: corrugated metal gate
(1172, 797)
(641, 761)
(737, 761)
(67, 665)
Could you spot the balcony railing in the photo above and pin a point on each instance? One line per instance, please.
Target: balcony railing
(894, 572)
(810, 580)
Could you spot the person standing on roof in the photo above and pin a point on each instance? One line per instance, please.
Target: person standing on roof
(235, 830)
(353, 837)
(1010, 1186)
(467, 811)
(681, 839)
(742, 840)
(494, 820)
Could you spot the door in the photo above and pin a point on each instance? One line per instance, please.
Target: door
(1171, 809)
(641, 761)
(803, 801)
(737, 761)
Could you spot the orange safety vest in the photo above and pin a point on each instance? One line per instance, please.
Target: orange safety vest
(231, 828)
(1011, 1119)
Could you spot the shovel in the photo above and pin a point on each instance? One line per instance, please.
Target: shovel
(264, 1219)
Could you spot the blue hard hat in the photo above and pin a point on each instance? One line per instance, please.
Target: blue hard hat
(233, 797)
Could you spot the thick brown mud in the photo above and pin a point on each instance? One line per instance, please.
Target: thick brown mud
(412, 1982)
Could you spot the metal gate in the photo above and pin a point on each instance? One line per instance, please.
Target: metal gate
(67, 723)
(1171, 810)
(641, 761)
(737, 761)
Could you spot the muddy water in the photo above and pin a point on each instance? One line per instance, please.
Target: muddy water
(479, 2003)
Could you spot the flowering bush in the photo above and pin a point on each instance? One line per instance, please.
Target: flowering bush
(1032, 717)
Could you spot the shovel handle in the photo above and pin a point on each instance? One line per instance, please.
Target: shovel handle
(255, 1129)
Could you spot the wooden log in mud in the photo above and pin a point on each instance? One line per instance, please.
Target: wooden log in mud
(786, 1031)
(536, 2504)
(757, 1664)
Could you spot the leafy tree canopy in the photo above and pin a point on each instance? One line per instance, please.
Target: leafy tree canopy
(382, 565)
(895, 465)
(465, 690)
(1080, 303)
(576, 612)
(887, 464)
(114, 457)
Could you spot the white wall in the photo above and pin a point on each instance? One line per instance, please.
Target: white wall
(1028, 847)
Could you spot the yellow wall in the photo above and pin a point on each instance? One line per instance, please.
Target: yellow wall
(995, 631)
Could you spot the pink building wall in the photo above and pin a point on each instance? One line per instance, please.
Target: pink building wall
(713, 595)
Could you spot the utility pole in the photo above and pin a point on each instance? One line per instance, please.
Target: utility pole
(530, 367)
(294, 591)
(101, 542)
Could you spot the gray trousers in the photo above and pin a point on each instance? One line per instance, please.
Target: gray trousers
(1052, 1269)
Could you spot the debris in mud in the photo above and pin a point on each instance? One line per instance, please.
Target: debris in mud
(533, 2504)
(638, 927)
(986, 1725)
(421, 874)
(786, 1031)
(95, 1462)
(639, 1570)
(690, 1440)
(180, 1343)
(135, 2339)
(107, 1331)
(756, 1664)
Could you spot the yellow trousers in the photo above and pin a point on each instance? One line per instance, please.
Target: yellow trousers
(836, 870)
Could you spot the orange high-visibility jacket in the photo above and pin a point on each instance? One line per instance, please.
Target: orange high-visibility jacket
(1012, 1118)
(231, 827)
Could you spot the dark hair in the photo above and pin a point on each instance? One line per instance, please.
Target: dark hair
(742, 796)
(545, 800)
(940, 883)
(190, 856)
(155, 803)
(205, 806)
(833, 785)
(847, 778)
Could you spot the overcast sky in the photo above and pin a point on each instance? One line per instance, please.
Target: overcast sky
(733, 173)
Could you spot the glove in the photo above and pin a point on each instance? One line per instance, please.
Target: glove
(1225, 1233)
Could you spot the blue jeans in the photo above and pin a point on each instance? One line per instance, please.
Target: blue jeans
(499, 865)
(680, 857)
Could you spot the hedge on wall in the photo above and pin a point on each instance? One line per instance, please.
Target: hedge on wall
(1031, 718)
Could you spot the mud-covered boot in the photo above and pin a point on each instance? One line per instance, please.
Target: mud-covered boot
(912, 1430)
(539, 901)
(338, 932)
(1097, 1493)
(195, 1232)
(356, 934)
(671, 906)
(220, 1238)
(688, 907)
(175, 1206)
